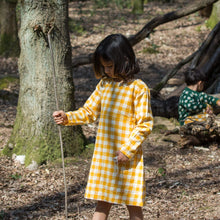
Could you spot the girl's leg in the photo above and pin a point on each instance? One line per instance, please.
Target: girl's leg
(102, 210)
(135, 212)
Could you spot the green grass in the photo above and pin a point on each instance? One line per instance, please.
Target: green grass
(6, 81)
(152, 49)
(76, 27)
(16, 176)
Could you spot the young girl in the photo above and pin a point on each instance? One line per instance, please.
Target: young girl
(122, 105)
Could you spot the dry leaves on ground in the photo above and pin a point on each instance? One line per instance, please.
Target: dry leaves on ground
(181, 183)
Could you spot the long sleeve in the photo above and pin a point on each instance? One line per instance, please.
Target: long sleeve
(144, 123)
(208, 99)
(89, 112)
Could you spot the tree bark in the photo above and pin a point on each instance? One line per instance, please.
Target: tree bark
(215, 15)
(9, 43)
(208, 56)
(206, 12)
(34, 133)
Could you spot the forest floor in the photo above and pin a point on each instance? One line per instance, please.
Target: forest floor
(182, 183)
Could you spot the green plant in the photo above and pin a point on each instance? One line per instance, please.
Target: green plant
(99, 28)
(6, 81)
(198, 28)
(101, 3)
(76, 27)
(174, 121)
(161, 171)
(16, 176)
(122, 3)
(88, 152)
(151, 49)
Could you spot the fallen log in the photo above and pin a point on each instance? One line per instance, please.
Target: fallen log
(206, 131)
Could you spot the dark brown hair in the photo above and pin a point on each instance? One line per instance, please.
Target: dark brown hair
(116, 48)
(193, 76)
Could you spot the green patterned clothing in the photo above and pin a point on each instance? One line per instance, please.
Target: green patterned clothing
(193, 102)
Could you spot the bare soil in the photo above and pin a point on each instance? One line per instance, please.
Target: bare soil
(182, 184)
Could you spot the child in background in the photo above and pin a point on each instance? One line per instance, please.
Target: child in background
(194, 106)
(122, 105)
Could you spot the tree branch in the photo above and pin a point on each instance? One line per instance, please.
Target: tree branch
(82, 60)
(196, 57)
(150, 26)
(155, 22)
(163, 82)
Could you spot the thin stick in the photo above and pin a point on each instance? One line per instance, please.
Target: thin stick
(59, 129)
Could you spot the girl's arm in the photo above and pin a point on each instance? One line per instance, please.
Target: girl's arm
(208, 99)
(144, 125)
(87, 114)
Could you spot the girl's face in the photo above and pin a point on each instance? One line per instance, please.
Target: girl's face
(108, 68)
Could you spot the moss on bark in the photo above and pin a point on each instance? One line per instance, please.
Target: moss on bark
(45, 147)
(215, 16)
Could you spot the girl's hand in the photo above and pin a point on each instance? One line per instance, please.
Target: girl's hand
(121, 157)
(60, 117)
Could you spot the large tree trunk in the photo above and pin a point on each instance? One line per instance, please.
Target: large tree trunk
(9, 44)
(35, 134)
(208, 60)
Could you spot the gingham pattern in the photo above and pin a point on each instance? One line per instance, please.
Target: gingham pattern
(193, 104)
(125, 122)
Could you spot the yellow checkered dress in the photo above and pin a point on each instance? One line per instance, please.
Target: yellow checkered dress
(125, 120)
